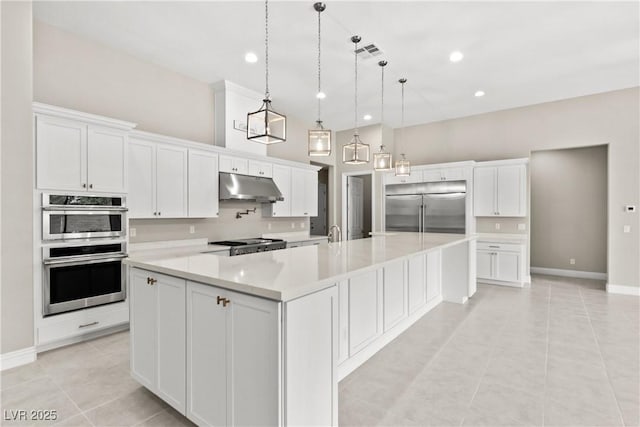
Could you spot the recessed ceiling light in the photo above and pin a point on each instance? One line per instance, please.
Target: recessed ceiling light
(321, 95)
(367, 117)
(251, 57)
(456, 56)
(479, 93)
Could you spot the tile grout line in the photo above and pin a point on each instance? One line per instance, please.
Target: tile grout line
(80, 412)
(604, 365)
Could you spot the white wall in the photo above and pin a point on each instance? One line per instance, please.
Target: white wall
(608, 118)
(16, 177)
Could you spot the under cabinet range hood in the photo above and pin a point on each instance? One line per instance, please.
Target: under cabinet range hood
(243, 187)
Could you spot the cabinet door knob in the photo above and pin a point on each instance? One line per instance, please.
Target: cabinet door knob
(219, 300)
(84, 185)
(225, 302)
(155, 213)
(90, 185)
(151, 281)
(159, 213)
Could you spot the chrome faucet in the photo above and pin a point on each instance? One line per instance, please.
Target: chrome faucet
(337, 236)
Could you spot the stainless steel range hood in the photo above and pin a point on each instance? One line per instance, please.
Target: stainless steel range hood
(244, 187)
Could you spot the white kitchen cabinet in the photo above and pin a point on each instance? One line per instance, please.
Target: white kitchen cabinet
(159, 177)
(203, 184)
(500, 263)
(158, 337)
(434, 274)
(233, 369)
(391, 178)
(395, 294)
(304, 192)
(364, 311)
(72, 155)
(282, 179)
(232, 164)
(416, 282)
(500, 190)
(443, 174)
(262, 169)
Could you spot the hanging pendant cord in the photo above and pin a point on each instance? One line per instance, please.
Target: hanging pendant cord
(355, 55)
(319, 86)
(382, 106)
(402, 119)
(266, 48)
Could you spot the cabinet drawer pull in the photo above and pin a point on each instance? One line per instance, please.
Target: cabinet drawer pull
(86, 325)
(151, 281)
(497, 247)
(219, 300)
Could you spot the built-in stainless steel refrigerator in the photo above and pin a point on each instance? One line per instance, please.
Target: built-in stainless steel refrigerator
(428, 207)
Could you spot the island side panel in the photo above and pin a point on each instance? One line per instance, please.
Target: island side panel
(310, 359)
(456, 264)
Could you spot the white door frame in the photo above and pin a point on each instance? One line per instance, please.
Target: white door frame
(344, 199)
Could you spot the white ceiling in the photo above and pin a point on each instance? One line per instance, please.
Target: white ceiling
(519, 53)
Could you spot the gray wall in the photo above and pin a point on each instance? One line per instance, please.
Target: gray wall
(608, 118)
(569, 209)
(16, 177)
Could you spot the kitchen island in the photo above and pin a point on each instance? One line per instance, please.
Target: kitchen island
(263, 339)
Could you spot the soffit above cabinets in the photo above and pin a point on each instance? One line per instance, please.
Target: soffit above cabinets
(518, 53)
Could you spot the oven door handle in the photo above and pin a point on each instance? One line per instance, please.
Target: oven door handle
(72, 208)
(84, 260)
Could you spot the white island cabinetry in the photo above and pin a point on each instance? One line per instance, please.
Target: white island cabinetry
(266, 341)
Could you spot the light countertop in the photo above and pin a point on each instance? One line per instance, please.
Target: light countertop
(291, 273)
(294, 237)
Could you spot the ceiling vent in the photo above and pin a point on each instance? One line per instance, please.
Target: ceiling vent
(368, 51)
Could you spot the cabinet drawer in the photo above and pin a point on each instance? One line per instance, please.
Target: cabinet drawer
(488, 246)
(82, 322)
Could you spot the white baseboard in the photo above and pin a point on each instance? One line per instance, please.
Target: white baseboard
(17, 358)
(569, 273)
(623, 290)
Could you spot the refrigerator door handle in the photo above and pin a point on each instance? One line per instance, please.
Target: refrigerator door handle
(421, 222)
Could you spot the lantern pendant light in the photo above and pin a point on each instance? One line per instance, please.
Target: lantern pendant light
(265, 125)
(382, 159)
(403, 166)
(319, 138)
(355, 152)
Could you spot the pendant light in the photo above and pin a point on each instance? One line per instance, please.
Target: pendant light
(403, 166)
(319, 138)
(265, 125)
(382, 159)
(355, 152)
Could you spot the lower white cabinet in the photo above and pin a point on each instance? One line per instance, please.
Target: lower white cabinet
(233, 369)
(434, 274)
(500, 262)
(417, 282)
(364, 311)
(395, 294)
(157, 316)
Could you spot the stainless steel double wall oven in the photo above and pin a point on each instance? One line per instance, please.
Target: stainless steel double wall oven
(84, 243)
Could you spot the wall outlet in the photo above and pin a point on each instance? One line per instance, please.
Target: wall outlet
(630, 208)
(572, 261)
(293, 225)
(192, 229)
(132, 232)
(522, 227)
(302, 225)
(268, 226)
(497, 226)
(626, 229)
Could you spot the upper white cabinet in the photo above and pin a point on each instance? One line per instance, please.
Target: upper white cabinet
(262, 169)
(304, 192)
(391, 178)
(158, 180)
(232, 164)
(500, 188)
(443, 174)
(282, 179)
(203, 184)
(77, 155)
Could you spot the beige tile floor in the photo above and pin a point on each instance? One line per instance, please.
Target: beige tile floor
(561, 353)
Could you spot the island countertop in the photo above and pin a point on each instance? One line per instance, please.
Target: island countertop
(287, 274)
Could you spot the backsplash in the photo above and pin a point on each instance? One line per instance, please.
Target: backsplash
(226, 226)
(507, 225)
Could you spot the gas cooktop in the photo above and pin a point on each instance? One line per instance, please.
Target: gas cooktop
(250, 246)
